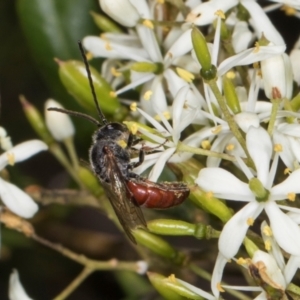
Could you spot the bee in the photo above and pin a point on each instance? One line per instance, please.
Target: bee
(126, 190)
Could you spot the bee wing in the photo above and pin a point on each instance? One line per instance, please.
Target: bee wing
(128, 212)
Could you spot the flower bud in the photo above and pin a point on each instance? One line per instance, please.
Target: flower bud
(104, 23)
(230, 95)
(59, 124)
(208, 70)
(36, 121)
(277, 77)
(146, 67)
(16, 290)
(158, 245)
(122, 11)
(74, 77)
(171, 288)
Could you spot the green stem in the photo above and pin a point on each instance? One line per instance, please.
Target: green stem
(275, 107)
(61, 157)
(181, 147)
(74, 284)
(229, 119)
(69, 143)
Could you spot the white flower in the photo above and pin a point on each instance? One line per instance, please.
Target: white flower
(121, 11)
(16, 290)
(224, 185)
(60, 125)
(14, 198)
(277, 76)
(5, 141)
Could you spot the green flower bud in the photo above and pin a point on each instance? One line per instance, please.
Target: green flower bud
(36, 121)
(147, 67)
(105, 24)
(158, 246)
(295, 103)
(250, 247)
(230, 95)
(74, 77)
(243, 13)
(90, 182)
(190, 170)
(170, 288)
(257, 188)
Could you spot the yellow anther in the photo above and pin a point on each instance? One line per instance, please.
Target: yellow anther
(230, 147)
(134, 128)
(241, 261)
(205, 144)
(267, 231)
(133, 106)
(230, 75)
(89, 55)
(147, 95)
(209, 195)
(108, 46)
(112, 94)
(148, 23)
(172, 278)
(185, 75)
(220, 14)
(166, 115)
(114, 71)
(278, 148)
(256, 47)
(291, 196)
(10, 158)
(219, 287)
(160, 1)
(289, 11)
(268, 245)
(250, 221)
(287, 171)
(217, 129)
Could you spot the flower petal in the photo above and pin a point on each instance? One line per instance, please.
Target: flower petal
(259, 146)
(285, 230)
(235, 229)
(223, 184)
(16, 200)
(218, 274)
(16, 290)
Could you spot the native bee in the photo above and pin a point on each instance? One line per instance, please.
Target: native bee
(110, 162)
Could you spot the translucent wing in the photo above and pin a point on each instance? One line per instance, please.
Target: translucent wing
(128, 212)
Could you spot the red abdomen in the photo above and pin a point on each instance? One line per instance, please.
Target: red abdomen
(157, 195)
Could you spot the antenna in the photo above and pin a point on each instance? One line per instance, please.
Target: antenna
(88, 71)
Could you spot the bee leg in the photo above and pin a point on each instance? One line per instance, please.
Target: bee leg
(132, 140)
(138, 163)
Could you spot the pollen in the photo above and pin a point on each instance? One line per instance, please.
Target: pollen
(134, 128)
(220, 14)
(289, 11)
(291, 196)
(256, 48)
(216, 129)
(114, 72)
(122, 143)
(148, 24)
(230, 75)
(287, 171)
(147, 95)
(267, 231)
(206, 144)
(112, 94)
(133, 106)
(268, 245)
(108, 46)
(185, 75)
(219, 287)
(230, 147)
(278, 148)
(10, 158)
(250, 221)
(89, 55)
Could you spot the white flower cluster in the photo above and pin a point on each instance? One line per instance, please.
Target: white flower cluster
(160, 58)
